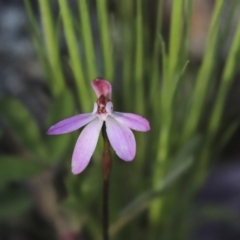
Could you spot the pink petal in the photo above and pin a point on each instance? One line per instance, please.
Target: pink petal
(133, 121)
(86, 145)
(121, 139)
(102, 87)
(71, 124)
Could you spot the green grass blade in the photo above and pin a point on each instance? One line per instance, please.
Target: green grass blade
(83, 91)
(107, 48)
(166, 100)
(38, 43)
(175, 38)
(215, 120)
(204, 74)
(227, 78)
(155, 58)
(127, 49)
(52, 46)
(145, 200)
(186, 29)
(139, 60)
(232, 12)
(87, 40)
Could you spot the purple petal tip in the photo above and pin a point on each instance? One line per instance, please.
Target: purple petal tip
(74, 172)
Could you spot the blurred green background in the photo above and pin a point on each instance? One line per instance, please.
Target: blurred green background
(175, 63)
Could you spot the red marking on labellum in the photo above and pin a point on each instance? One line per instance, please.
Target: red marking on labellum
(101, 102)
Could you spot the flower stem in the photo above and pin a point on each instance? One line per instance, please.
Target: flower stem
(106, 170)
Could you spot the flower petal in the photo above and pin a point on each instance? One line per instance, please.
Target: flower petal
(121, 139)
(86, 145)
(133, 121)
(102, 87)
(71, 124)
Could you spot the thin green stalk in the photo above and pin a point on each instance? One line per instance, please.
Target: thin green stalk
(215, 120)
(127, 76)
(139, 99)
(107, 48)
(87, 39)
(175, 39)
(187, 24)
(155, 57)
(196, 174)
(52, 46)
(166, 102)
(139, 84)
(158, 97)
(127, 51)
(83, 91)
(230, 15)
(168, 81)
(227, 78)
(204, 74)
(38, 43)
(179, 55)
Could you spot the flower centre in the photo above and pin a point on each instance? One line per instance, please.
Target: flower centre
(103, 107)
(101, 103)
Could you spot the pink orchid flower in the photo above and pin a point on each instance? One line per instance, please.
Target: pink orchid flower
(117, 127)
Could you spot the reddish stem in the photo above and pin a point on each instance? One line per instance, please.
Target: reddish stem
(106, 170)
